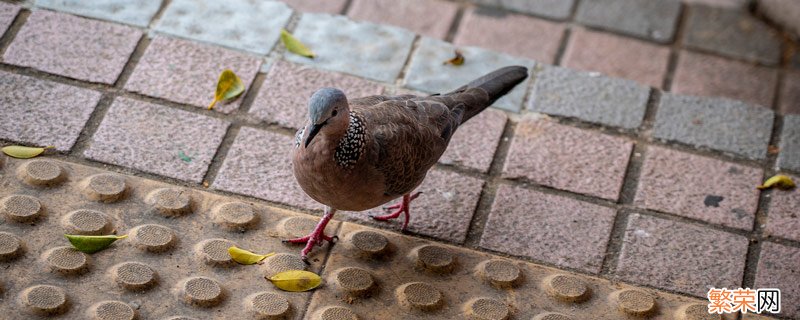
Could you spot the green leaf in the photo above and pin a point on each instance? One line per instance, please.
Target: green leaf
(779, 181)
(246, 257)
(184, 157)
(92, 244)
(295, 46)
(229, 86)
(23, 152)
(296, 280)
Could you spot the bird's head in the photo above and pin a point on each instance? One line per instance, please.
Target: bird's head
(328, 111)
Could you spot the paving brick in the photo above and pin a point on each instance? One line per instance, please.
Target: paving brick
(719, 3)
(443, 210)
(428, 73)
(157, 139)
(364, 49)
(549, 228)
(31, 107)
(616, 56)
(475, 142)
(588, 96)
(680, 256)
(137, 13)
(240, 24)
(283, 98)
(789, 156)
(259, 164)
(502, 31)
(568, 158)
(706, 75)
(187, 72)
(327, 6)
(7, 14)
(790, 93)
(555, 9)
(87, 49)
(717, 123)
(779, 267)
(430, 18)
(654, 19)
(678, 183)
(731, 32)
(783, 218)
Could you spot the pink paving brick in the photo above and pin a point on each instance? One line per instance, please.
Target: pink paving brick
(790, 93)
(617, 56)
(430, 18)
(680, 256)
(514, 34)
(7, 13)
(443, 210)
(783, 215)
(283, 98)
(326, 6)
(187, 72)
(705, 75)
(73, 47)
(698, 187)
(779, 267)
(568, 158)
(549, 228)
(43, 113)
(157, 139)
(259, 164)
(475, 142)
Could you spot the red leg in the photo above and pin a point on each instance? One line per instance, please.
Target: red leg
(316, 237)
(402, 207)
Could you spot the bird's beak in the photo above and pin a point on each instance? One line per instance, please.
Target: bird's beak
(313, 132)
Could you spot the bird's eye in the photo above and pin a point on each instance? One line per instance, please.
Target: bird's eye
(334, 113)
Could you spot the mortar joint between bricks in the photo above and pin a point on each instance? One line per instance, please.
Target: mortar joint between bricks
(407, 63)
(13, 29)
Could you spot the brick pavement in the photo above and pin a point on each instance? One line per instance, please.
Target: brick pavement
(621, 180)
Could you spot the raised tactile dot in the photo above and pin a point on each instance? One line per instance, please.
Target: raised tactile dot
(434, 258)
(282, 262)
(355, 281)
(695, 311)
(268, 305)
(566, 288)
(551, 316)
(235, 216)
(20, 208)
(111, 310)
(134, 276)
(86, 222)
(297, 226)
(66, 260)
(418, 295)
(633, 302)
(10, 246)
(368, 243)
(335, 313)
(202, 291)
(487, 309)
(104, 187)
(215, 252)
(45, 300)
(170, 201)
(500, 273)
(41, 173)
(153, 237)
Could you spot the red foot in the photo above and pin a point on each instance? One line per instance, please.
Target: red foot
(316, 237)
(402, 207)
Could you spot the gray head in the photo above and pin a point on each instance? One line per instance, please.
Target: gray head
(327, 107)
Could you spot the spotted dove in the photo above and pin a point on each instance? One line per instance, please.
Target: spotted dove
(359, 154)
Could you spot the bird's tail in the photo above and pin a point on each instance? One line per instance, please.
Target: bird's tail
(496, 84)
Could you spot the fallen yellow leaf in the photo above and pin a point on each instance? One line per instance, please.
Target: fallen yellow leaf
(246, 257)
(779, 181)
(296, 280)
(457, 60)
(23, 152)
(92, 244)
(229, 86)
(295, 46)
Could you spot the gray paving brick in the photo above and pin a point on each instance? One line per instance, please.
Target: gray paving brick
(733, 33)
(589, 96)
(428, 73)
(651, 19)
(789, 156)
(364, 49)
(717, 123)
(137, 12)
(556, 9)
(240, 24)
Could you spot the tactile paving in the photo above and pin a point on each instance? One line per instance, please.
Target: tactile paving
(174, 264)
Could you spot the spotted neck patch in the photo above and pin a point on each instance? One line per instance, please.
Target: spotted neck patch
(298, 137)
(352, 144)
